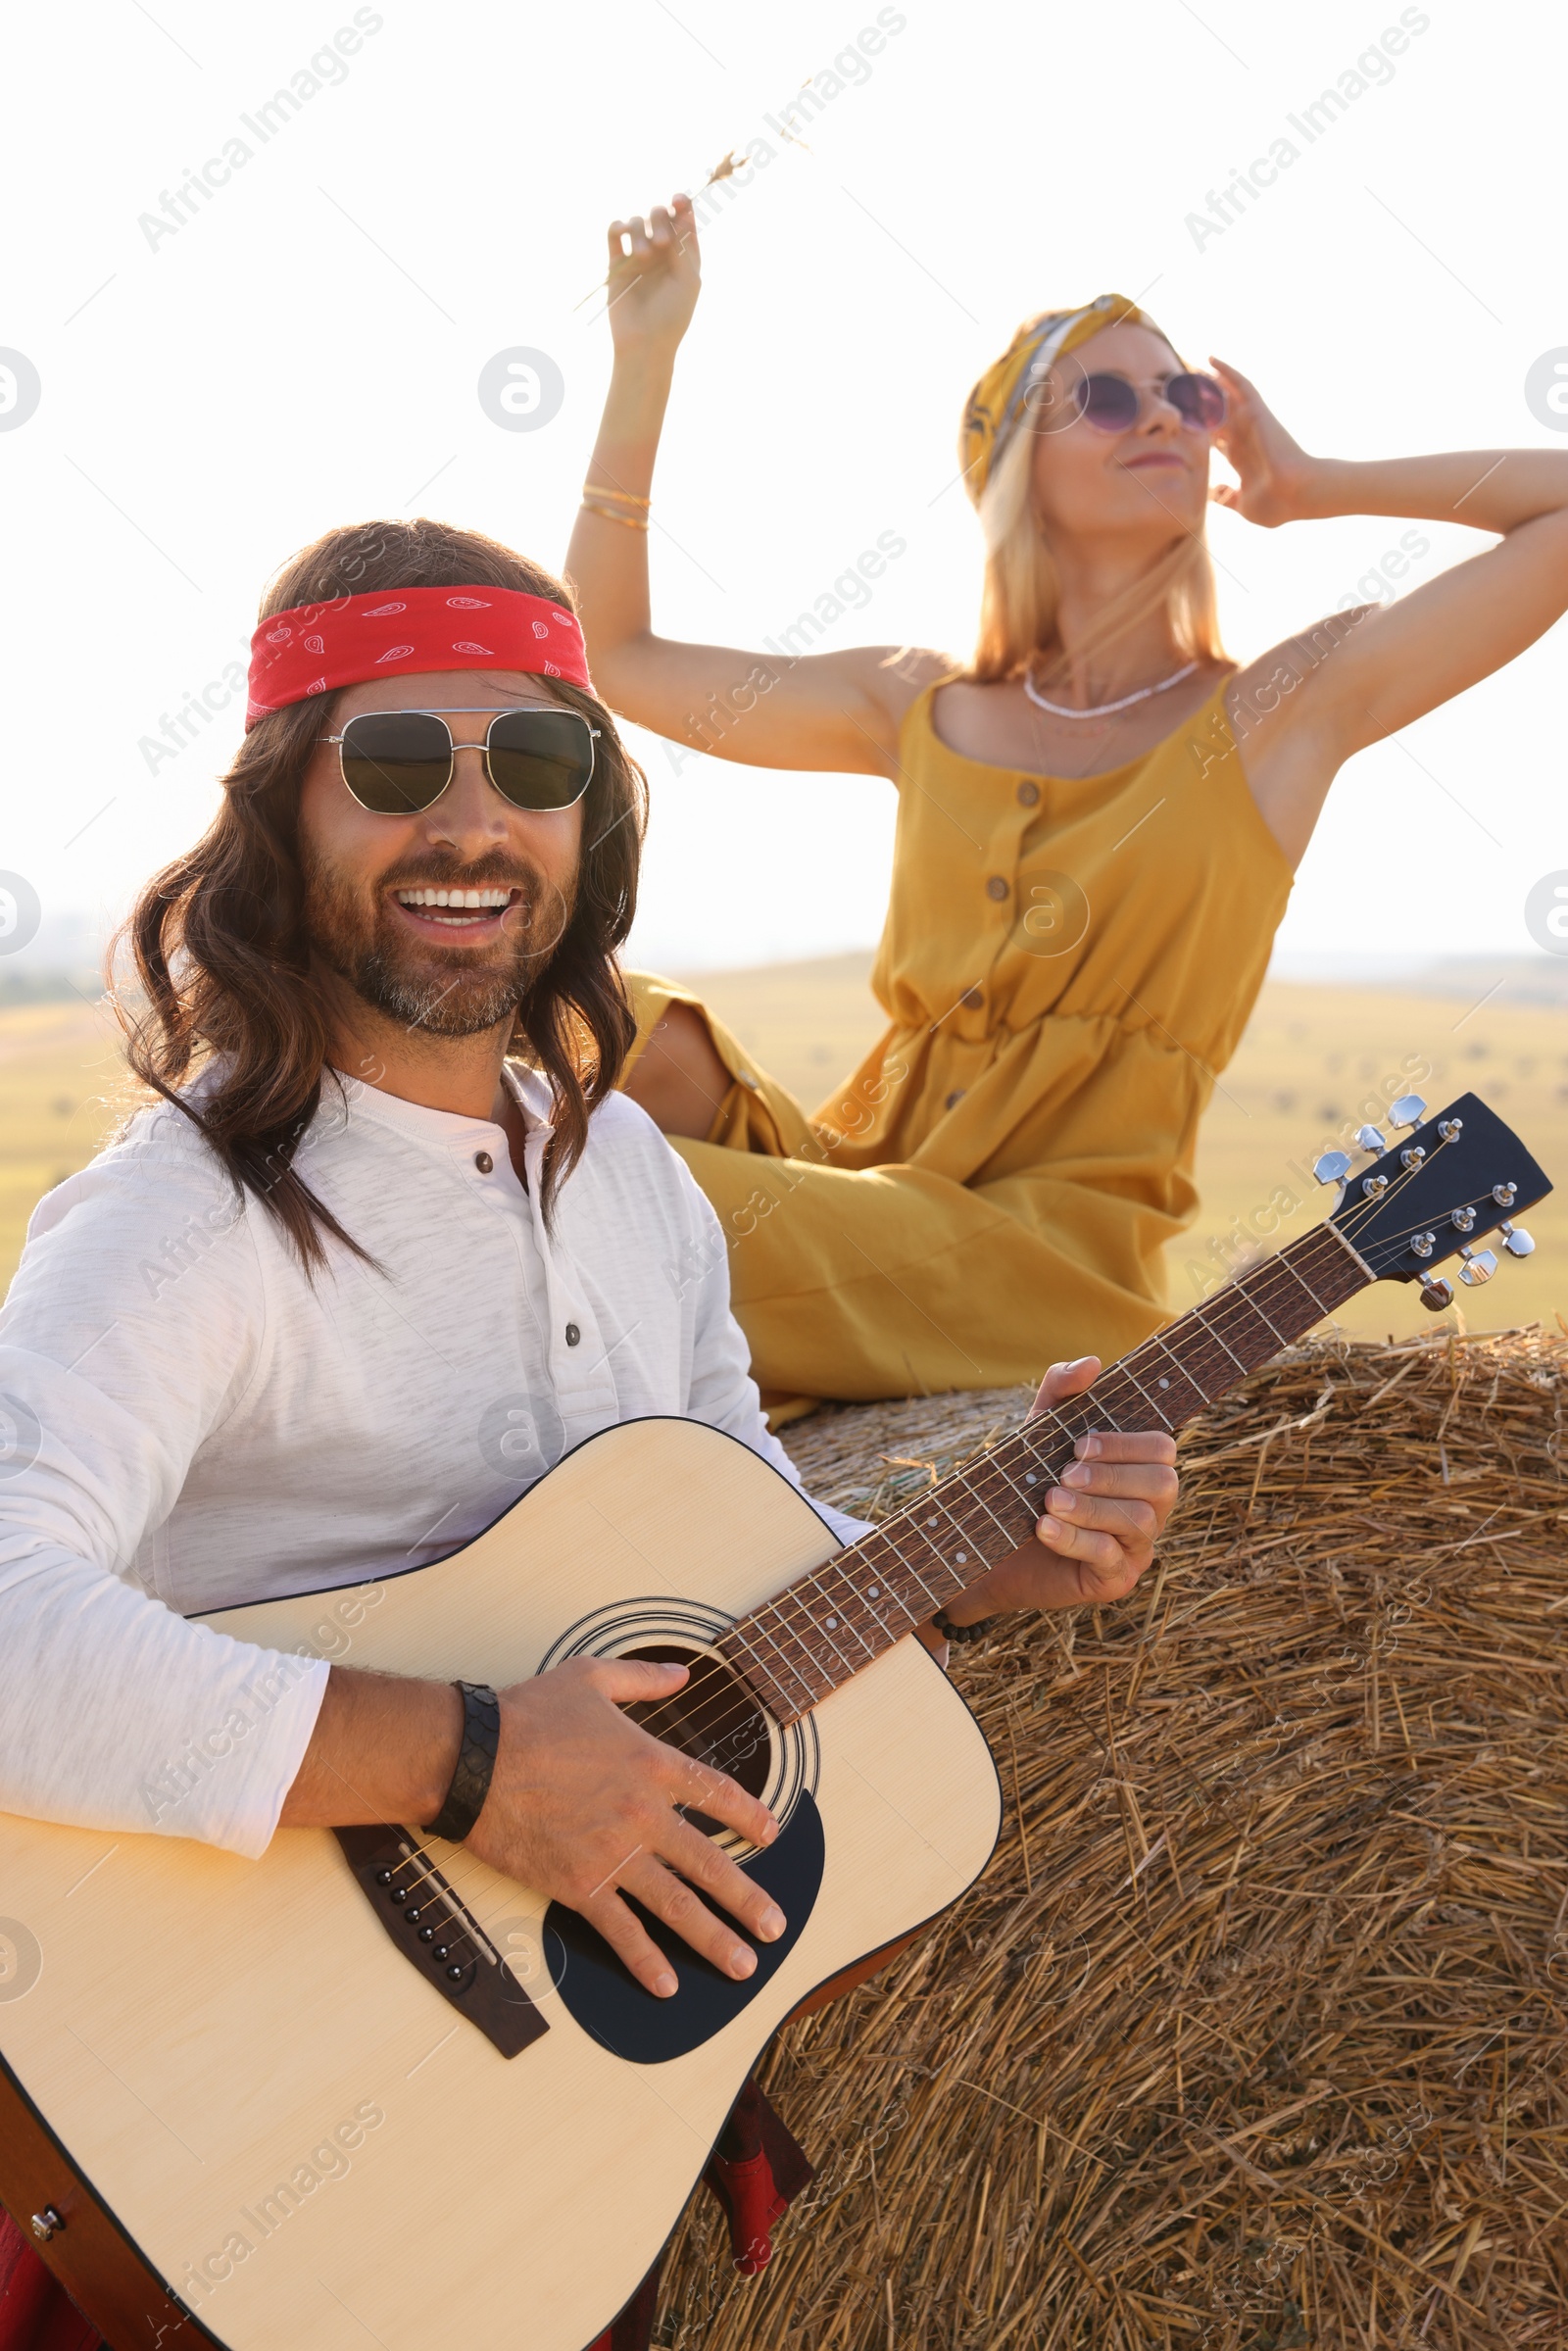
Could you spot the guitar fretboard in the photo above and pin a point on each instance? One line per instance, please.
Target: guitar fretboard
(828, 1625)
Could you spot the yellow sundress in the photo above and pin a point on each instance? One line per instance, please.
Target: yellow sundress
(1066, 967)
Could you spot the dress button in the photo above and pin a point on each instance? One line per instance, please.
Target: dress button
(747, 1079)
(971, 999)
(1028, 795)
(996, 887)
(572, 1334)
(955, 1097)
(483, 1161)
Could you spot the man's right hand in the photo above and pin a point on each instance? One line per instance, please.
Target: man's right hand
(582, 1808)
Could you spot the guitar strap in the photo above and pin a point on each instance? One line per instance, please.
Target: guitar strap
(757, 2170)
(37, 2314)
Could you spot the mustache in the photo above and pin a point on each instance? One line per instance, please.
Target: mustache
(494, 872)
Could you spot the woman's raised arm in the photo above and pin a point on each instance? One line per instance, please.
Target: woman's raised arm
(836, 709)
(1358, 677)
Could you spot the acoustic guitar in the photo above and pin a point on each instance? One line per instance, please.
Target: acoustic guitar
(367, 2091)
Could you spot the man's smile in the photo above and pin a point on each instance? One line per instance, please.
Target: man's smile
(475, 913)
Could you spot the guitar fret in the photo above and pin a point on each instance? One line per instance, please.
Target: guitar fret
(1300, 1279)
(838, 1615)
(1200, 1317)
(914, 1571)
(760, 1676)
(1125, 1368)
(1199, 1396)
(1018, 1523)
(959, 1558)
(972, 1490)
(859, 1590)
(774, 1608)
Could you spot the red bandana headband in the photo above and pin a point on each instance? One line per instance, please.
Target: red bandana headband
(315, 647)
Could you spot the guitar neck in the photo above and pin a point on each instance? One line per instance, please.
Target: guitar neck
(828, 1625)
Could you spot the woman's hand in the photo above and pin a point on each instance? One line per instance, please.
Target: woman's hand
(1101, 1522)
(651, 290)
(1273, 468)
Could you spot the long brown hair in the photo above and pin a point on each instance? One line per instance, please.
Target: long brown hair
(218, 938)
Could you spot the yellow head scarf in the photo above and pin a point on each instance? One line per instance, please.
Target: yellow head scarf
(995, 407)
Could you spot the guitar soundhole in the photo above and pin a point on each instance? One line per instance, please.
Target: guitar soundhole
(713, 1718)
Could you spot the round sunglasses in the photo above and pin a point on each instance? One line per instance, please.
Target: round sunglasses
(1114, 404)
(399, 762)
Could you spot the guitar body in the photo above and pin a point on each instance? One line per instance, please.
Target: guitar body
(234, 2086)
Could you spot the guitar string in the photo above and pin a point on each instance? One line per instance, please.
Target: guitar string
(1369, 1210)
(667, 1716)
(1361, 1212)
(458, 1935)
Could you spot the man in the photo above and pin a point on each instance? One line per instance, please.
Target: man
(362, 1278)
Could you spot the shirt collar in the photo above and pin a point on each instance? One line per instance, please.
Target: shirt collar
(444, 1130)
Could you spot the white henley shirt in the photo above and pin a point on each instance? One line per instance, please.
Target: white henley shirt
(188, 1422)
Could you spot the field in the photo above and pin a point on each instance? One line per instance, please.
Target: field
(1314, 1059)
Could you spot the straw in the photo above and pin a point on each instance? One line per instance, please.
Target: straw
(1257, 2038)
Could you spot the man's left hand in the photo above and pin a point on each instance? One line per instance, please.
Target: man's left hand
(1100, 1526)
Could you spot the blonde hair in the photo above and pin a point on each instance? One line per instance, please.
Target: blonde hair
(1019, 599)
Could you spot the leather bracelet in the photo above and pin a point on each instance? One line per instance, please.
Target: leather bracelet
(961, 1633)
(477, 1760)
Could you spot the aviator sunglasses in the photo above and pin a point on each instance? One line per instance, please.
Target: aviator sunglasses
(1112, 404)
(399, 762)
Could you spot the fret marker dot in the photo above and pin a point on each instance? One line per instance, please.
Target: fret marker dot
(962, 1559)
(1029, 1478)
(930, 1522)
(832, 1623)
(1165, 1383)
(874, 1592)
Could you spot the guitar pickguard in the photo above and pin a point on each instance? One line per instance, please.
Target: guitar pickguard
(639, 2026)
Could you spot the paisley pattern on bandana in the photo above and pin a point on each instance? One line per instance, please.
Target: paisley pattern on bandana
(315, 647)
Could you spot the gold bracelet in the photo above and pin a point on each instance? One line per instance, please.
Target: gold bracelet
(607, 513)
(599, 489)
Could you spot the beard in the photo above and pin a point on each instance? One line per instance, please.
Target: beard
(453, 990)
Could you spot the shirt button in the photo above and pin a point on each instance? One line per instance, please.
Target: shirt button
(996, 887)
(1028, 795)
(483, 1161)
(572, 1334)
(971, 999)
(954, 1098)
(747, 1079)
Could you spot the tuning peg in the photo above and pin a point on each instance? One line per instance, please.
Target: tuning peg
(1436, 1292)
(1516, 1241)
(1407, 1112)
(1332, 1167)
(1370, 1139)
(1479, 1266)
(1506, 1194)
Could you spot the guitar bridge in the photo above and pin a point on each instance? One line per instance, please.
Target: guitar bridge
(439, 1936)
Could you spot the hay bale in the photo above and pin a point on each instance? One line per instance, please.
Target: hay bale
(1253, 2033)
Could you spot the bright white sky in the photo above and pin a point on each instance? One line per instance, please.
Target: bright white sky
(306, 351)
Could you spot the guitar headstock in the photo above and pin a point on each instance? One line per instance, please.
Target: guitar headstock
(1437, 1195)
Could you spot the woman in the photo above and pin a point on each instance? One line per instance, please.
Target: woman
(1098, 820)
